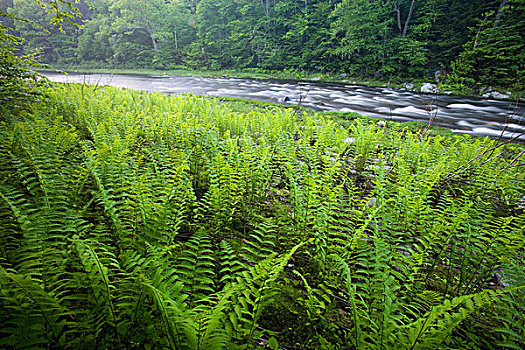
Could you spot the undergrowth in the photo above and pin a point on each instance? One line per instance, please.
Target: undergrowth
(137, 220)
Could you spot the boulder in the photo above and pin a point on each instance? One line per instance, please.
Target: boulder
(408, 86)
(496, 95)
(428, 88)
(349, 140)
(499, 95)
(315, 78)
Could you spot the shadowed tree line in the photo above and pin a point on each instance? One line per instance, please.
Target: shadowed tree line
(479, 41)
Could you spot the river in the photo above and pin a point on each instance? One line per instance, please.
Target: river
(476, 116)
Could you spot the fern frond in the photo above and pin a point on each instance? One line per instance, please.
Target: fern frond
(260, 242)
(438, 325)
(253, 290)
(196, 266)
(230, 264)
(178, 327)
(31, 315)
(99, 264)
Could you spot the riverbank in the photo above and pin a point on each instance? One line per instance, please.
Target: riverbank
(413, 85)
(230, 73)
(462, 114)
(345, 119)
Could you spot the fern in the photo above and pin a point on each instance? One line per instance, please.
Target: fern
(214, 330)
(252, 291)
(196, 266)
(177, 326)
(31, 315)
(98, 264)
(230, 263)
(130, 220)
(260, 242)
(437, 326)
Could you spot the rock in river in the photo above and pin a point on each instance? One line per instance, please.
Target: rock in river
(428, 88)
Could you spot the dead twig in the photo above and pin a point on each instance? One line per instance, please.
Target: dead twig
(432, 116)
(492, 149)
(300, 103)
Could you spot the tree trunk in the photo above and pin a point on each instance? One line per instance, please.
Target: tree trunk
(265, 7)
(398, 11)
(409, 17)
(148, 27)
(150, 32)
(155, 46)
(500, 13)
(175, 38)
(476, 41)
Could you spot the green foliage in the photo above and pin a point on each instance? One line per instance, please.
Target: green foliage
(467, 43)
(20, 85)
(130, 219)
(495, 56)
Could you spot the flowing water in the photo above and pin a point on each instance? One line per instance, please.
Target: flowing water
(476, 116)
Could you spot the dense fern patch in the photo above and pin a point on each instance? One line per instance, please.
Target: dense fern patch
(136, 220)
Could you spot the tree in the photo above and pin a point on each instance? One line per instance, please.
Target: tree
(182, 31)
(302, 36)
(54, 43)
(364, 31)
(96, 39)
(20, 84)
(229, 32)
(387, 39)
(396, 38)
(495, 56)
(138, 22)
(449, 28)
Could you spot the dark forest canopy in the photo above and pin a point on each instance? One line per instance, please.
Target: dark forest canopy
(479, 41)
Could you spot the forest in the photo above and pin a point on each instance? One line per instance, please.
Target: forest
(467, 44)
(136, 220)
